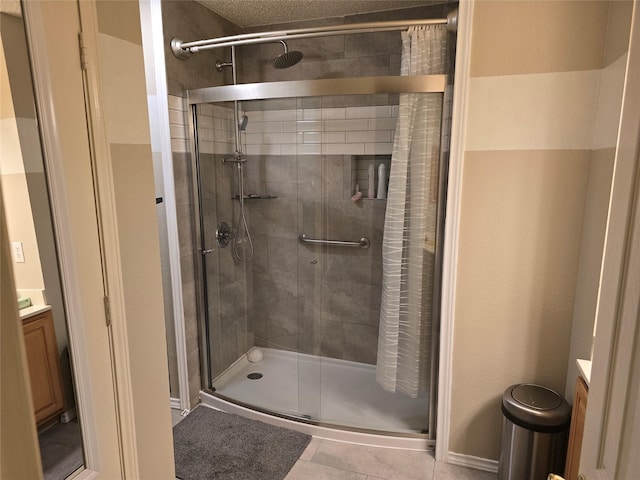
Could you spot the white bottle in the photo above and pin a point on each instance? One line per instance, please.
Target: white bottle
(372, 182)
(382, 181)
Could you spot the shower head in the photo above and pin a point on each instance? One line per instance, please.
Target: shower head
(287, 58)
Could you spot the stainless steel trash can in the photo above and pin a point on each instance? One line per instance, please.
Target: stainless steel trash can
(534, 433)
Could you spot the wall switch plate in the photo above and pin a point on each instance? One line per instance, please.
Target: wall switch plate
(18, 253)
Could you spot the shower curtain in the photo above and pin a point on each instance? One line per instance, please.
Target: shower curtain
(404, 341)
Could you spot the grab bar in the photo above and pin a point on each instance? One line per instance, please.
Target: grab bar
(362, 243)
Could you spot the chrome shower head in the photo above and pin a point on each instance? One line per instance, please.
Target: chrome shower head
(287, 58)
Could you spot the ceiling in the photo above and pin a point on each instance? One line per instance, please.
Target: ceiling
(249, 13)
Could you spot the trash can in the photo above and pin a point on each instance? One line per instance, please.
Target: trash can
(534, 433)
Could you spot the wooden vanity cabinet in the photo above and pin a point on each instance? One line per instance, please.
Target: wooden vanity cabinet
(44, 369)
(576, 431)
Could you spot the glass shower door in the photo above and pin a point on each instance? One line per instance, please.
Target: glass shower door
(340, 253)
(296, 329)
(252, 299)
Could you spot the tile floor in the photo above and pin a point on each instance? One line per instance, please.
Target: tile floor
(329, 460)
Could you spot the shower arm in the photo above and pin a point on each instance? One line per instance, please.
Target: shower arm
(184, 49)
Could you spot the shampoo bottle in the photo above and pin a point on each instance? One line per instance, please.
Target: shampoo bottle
(382, 181)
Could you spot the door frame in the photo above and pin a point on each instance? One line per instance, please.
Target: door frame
(76, 231)
(153, 44)
(452, 239)
(614, 370)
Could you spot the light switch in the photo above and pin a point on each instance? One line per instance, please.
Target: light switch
(18, 253)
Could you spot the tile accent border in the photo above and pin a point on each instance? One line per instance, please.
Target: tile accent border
(303, 131)
(177, 124)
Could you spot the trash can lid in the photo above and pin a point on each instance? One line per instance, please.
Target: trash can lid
(535, 407)
(537, 397)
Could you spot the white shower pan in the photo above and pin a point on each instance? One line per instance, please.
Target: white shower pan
(323, 393)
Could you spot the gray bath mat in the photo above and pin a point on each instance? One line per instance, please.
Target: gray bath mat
(209, 444)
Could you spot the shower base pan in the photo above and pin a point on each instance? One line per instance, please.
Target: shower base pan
(324, 397)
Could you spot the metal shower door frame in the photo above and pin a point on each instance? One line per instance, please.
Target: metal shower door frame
(297, 89)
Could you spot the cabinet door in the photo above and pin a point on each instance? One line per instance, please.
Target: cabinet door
(577, 430)
(44, 371)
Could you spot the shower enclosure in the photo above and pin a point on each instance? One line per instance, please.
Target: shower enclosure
(300, 171)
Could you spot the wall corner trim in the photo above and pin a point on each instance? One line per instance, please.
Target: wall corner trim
(151, 12)
(113, 282)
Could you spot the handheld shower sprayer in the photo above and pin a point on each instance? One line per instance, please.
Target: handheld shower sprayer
(242, 125)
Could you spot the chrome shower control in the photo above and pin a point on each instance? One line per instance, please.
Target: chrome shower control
(207, 251)
(223, 234)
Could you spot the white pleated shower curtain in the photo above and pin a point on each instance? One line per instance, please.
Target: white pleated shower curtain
(404, 341)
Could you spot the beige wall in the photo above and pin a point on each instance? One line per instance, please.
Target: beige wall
(606, 121)
(19, 454)
(127, 131)
(28, 214)
(532, 128)
(19, 158)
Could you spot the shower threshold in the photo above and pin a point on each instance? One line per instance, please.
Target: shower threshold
(318, 392)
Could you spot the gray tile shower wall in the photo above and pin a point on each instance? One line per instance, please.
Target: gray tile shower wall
(315, 300)
(229, 283)
(190, 21)
(293, 297)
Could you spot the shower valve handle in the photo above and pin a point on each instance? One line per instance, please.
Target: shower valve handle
(223, 234)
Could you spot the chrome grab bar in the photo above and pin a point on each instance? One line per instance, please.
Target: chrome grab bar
(362, 243)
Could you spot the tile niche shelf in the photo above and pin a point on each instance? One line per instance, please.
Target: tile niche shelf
(360, 173)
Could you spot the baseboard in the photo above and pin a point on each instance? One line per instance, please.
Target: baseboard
(176, 403)
(67, 416)
(470, 461)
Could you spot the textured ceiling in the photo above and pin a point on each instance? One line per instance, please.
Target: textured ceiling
(247, 13)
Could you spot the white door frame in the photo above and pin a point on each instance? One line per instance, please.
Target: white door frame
(451, 233)
(58, 87)
(153, 40)
(614, 374)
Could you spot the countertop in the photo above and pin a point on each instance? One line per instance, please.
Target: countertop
(33, 310)
(584, 367)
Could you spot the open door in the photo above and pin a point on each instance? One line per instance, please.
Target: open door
(52, 33)
(612, 430)
(88, 75)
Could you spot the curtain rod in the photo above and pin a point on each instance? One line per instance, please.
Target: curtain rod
(184, 50)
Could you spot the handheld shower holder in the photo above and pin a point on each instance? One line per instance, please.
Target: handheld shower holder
(238, 157)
